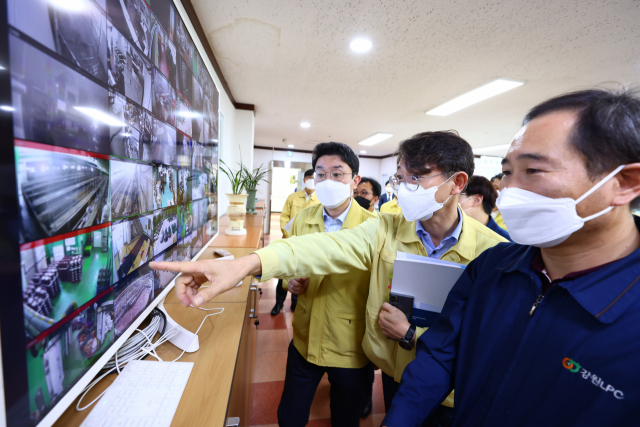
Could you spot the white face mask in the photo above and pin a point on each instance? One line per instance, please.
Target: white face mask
(389, 190)
(419, 204)
(541, 221)
(332, 193)
(310, 184)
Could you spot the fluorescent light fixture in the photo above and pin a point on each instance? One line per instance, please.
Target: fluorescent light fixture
(2, 68)
(492, 148)
(188, 114)
(125, 134)
(363, 151)
(375, 138)
(305, 125)
(214, 140)
(7, 108)
(290, 145)
(100, 116)
(360, 45)
(494, 88)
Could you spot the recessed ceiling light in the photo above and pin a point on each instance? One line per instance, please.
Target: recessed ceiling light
(492, 148)
(100, 116)
(360, 45)
(290, 145)
(305, 125)
(363, 151)
(7, 108)
(375, 138)
(494, 88)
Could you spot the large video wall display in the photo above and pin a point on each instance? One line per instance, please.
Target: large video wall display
(116, 150)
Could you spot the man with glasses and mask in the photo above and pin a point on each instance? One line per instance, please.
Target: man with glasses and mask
(432, 171)
(367, 193)
(329, 322)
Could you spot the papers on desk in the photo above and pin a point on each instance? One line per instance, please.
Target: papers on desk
(289, 224)
(428, 281)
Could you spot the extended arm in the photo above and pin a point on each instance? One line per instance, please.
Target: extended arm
(304, 256)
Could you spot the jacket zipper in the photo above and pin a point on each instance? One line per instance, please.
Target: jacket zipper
(535, 305)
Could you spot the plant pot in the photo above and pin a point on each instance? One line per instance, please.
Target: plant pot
(236, 213)
(251, 202)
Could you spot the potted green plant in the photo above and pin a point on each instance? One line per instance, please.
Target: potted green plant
(236, 210)
(253, 178)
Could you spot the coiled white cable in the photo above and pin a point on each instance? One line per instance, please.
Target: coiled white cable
(143, 351)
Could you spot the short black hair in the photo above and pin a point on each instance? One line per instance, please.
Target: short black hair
(308, 173)
(499, 176)
(479, 185)
(336, 149)
(607, 131)
(388, 182)
(375, 185)
(445, 150)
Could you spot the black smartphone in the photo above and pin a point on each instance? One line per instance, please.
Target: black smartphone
(404, 303)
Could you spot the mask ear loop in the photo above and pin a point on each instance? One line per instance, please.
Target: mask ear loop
(601, 183)
(434, 196)
(594, 188)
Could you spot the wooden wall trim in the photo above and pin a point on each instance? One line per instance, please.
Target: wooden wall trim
(193, 17)
(295, 150)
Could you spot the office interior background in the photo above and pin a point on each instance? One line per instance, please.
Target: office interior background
(148, 97)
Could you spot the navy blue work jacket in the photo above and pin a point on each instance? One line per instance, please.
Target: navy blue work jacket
(493, 226)
(575, 362)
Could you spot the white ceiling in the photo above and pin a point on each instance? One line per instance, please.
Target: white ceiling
(292, 60)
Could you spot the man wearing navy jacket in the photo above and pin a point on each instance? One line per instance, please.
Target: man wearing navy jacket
(545, 331)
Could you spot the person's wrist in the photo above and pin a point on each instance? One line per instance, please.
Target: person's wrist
(253, 265)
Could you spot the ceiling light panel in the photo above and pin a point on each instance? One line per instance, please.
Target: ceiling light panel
(375, 138)
(487, 91)
(360, 45)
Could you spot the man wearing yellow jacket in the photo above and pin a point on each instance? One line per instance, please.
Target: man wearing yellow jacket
(329, 323)
(296, 202)
(433, 169)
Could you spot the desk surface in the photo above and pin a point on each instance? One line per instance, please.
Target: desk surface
(250, 221)
(252, 239)
(206, 396)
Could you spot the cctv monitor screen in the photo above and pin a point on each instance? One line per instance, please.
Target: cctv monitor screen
(114, 155)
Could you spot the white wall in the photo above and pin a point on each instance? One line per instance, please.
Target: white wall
(236, 139)
(388, 167)
(370, 168)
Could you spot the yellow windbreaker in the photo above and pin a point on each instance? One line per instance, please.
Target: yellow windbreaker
(293, 205)
(372, 247)
(329, 321)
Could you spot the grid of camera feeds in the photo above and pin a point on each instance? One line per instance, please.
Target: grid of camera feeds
(116, 127)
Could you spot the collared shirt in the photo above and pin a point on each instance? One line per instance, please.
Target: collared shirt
(445, 244)
(513, 369)
(307, 196)
(493, 226)
(331, 224)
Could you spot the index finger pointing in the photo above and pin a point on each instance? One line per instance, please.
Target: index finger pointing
(179, 266)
